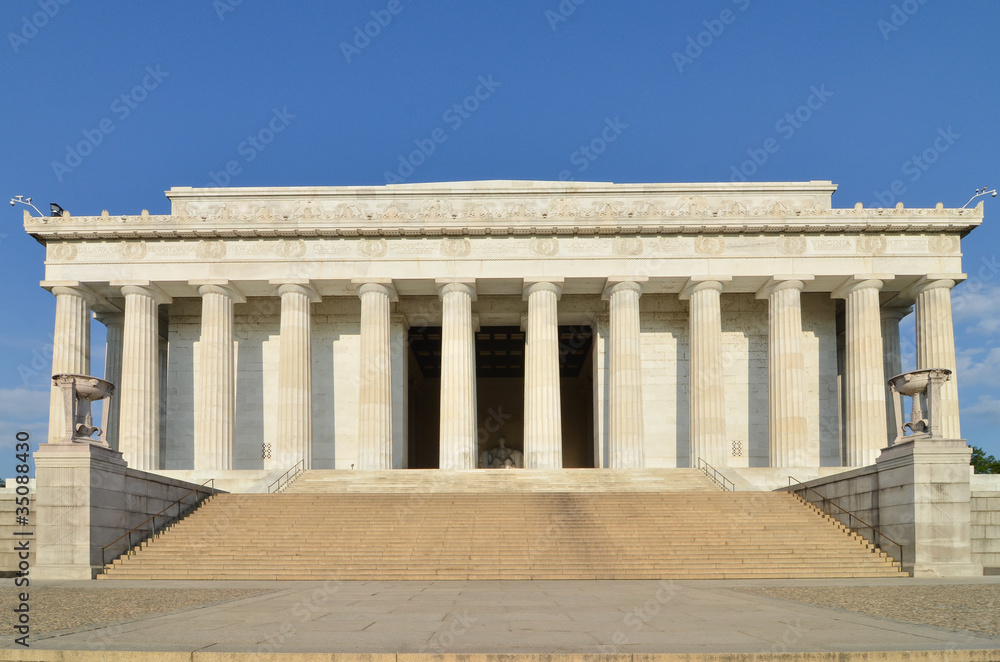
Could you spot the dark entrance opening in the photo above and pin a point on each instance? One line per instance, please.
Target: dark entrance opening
(500, 392)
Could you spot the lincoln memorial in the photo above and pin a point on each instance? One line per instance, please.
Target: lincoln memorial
(584, 324)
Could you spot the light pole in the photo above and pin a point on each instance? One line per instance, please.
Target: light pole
(20, 199)
(980, 192)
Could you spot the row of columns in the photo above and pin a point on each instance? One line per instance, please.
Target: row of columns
(133, 364)
(542, 401)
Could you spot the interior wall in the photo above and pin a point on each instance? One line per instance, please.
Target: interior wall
(665, 392)
(745, 363)
(500, 413)
(577, 419)
(822, 400)
(424, 418)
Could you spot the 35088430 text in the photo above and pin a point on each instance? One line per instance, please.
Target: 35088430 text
(22, 537)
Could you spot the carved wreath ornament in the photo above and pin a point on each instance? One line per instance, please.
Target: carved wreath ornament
(544, 246)
(456, 247)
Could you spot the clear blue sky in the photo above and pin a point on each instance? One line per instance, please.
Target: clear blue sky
(178, 87)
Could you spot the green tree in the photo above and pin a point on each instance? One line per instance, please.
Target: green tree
(983, 463)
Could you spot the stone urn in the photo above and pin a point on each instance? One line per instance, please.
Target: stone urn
(924, 388)
(79, 391)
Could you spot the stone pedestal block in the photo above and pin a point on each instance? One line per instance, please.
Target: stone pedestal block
(73, 482)
(85, 498)
(924, 504)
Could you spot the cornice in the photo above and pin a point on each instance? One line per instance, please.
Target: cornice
(396, 217)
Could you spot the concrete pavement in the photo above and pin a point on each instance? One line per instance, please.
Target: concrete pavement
(609, 617)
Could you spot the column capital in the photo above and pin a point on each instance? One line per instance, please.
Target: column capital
(383, 285)
(930, 282)
(72, 288)
(466, 285)
(397, 319)
(109, 318)
(621, 283)
(143, 288)
(896, 313)
(219, 286)
(541, 285)
(699, 283)
(302, 286)
(775, 283)
(860, 282)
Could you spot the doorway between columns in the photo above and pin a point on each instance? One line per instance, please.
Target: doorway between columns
(500, 392)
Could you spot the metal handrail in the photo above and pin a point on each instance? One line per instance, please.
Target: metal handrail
(153, 531)
(281, 482)
(717, 476)
(851, 517)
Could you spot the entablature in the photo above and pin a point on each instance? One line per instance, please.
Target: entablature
(504, 209)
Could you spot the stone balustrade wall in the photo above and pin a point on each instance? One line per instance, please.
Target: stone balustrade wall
(8, 557)
(986, 522)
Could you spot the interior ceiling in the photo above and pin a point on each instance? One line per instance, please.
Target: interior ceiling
(500, 351)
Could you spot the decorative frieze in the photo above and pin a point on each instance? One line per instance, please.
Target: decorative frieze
(476, 247)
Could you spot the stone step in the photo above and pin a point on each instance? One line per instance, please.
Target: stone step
(502, 480)
(534, 534)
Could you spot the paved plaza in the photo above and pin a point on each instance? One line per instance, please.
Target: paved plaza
(610, 617)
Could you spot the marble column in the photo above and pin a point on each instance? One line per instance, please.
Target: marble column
(115, 324)
(70, 348)
(787, 429)
(375, 388)
(936, 346)
(542, 401)
(294, 436)
(892, 357)
(864, 376)
(625, 439)
(139, 426)
(399, 340)
(215, 392)
(458, 438)
(601, 325)
(708, 395)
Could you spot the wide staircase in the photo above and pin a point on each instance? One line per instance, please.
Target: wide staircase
(584, 524)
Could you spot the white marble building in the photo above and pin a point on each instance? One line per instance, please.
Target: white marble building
(589, 324)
